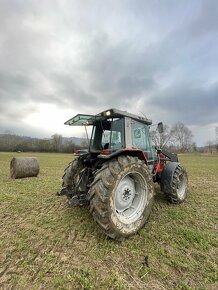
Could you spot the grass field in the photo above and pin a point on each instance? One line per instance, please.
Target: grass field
(44, 244)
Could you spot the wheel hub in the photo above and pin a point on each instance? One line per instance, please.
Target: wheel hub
(130, 197)
(126, 194)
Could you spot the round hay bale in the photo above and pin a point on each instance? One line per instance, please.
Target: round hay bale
(24, 167)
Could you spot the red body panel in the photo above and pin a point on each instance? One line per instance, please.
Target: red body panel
(159, 164)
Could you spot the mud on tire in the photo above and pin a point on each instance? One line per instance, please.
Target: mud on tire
(72, 174)
(121, 196)
(179, 186)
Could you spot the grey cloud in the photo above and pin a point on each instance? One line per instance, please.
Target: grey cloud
(117, 70)
(12, 84)
(188, 103)
(92, 56)
(207, 21)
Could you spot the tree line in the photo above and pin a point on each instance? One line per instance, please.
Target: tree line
(178, 138)
(15, 143)
(212, 146)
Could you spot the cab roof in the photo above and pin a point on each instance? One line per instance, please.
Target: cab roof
(89, 120)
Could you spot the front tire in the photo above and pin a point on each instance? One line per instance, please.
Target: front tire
(121, 196)
(174, 182)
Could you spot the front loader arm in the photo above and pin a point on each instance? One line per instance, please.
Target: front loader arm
(172, 157)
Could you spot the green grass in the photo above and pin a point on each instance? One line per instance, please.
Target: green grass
(44, 244)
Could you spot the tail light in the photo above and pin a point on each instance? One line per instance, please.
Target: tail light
(105, 152)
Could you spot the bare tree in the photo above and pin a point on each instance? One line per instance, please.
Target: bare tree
(56, 142)
(182, 135)
(85, 141)
(69, 146)
(161, 139)
(216, 131)
(43, 145)
(194, 147)
(209, 146)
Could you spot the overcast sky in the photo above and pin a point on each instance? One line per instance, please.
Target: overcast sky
(59, 58)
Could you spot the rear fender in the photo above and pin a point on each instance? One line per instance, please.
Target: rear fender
(128, 151)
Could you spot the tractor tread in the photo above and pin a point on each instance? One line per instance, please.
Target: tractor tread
(173, 195)
(104, 181)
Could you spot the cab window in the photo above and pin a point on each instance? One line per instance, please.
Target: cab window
(141, 138)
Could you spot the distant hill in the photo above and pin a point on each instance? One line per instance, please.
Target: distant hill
(11, 142)
(76, 140)
(12, 137)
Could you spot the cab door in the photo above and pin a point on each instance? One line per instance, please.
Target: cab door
(141, 139)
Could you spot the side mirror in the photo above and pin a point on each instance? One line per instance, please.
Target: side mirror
(160, 127)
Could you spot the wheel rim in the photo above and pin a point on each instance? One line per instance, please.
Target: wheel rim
(130, 197)
(181, 186)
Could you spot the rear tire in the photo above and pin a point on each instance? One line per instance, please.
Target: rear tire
(121, 196)
(72, 175)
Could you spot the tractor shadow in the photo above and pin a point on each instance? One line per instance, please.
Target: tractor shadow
(160, 200)
(159, 196)
(80, 218)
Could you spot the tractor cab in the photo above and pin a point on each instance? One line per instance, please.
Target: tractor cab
(115, 131)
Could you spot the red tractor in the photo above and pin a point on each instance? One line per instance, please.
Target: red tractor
(115, 177)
